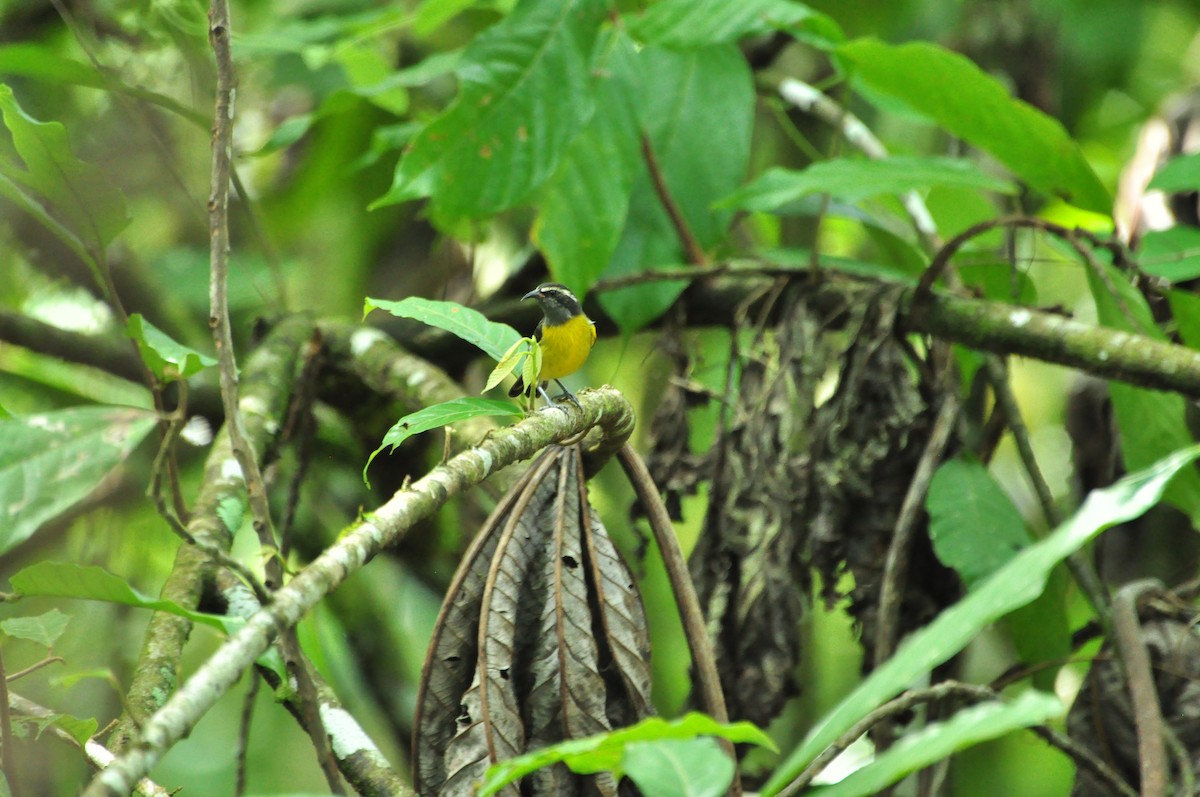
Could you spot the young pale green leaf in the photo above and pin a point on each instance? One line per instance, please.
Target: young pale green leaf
(966, 101)
(1152, 423)
(1014, 585)
(533, 364)
(508, 363)
(678, 767)
(973, 524)
(967, 728)
(1179, 174)
(605, 751)
(68, 580)
(688, 24)
(1172, 254)
(83, 198)
(51, 461)
(168, 359)
(43, 629)
(525, 93)
(582, 209)
(493, 338)
(79, 729)
(856, 179)
(694, 103)
(440, 415)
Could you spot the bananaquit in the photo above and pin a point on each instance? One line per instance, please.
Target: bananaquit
(565, 334)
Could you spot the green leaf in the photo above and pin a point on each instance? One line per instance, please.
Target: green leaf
(1185, 309)
(857, 179)
(508, 363)
(231, 510)
(694, 104)
(525, 93)
(1152, 423)
(68, 580)
(967, 728)
(678, 767)
(605, 751)
(1180, 174)
(1172, 254)
(1014, 585)
(50, 462)
(581, 211)
(472, 326)
(80, 729)
(687, 24)
(974, 526)
(82, 196)
(44, 629)
(440, 415)
(168, 359)
(958, 95)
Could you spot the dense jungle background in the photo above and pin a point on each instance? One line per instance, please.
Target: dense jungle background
(884, 291)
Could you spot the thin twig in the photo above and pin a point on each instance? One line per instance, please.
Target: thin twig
(687, 602)
(243, 739)
(1086, 759)
(895, 569)
(7, 758)
(32, 668)
(1139, 675)
(1083, 570)
(695, 252)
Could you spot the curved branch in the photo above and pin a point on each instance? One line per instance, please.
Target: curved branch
(604, 408)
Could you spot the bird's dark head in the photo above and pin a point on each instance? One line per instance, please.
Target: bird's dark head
(558, 303)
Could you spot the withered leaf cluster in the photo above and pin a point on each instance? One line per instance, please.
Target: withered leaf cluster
(817, 446)
(542, 637)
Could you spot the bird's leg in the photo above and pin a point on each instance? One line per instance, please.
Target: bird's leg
(568, 394)
(542, 389)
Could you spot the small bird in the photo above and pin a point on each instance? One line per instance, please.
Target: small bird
(565, 335)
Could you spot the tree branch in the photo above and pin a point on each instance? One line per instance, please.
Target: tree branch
(605, 409)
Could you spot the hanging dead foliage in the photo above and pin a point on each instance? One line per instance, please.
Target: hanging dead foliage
(542, 637)
(1102, 717)
(800, 485)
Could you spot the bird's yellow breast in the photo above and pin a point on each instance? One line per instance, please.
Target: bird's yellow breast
(566, 346)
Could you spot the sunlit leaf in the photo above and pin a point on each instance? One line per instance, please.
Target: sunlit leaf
(1014, 585)
(43, 629)
(856, 179)
(698, 23)
(1172, 254)
(51, 461)
(950, 89)
(678, 767)
(605, 751)
(967, 728)
(68, 580)
(472, 326)
(440, 415)
(168, 359)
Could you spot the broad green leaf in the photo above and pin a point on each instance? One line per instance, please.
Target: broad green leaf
(43, 629)
(51, 461)
(973, 524)
(604, 752)
(82, 196)
(1172, 254)
(961, 97)
(678, 767)
(1179, 174)
(440, 415)
(168, 359)
(1015, 584)
(967, 728)
(508, 363)
(688, 24)
(470, 325)
(1152, 423)
(1185, 309)
(857, 179)
(525, 93)
(80, 729)
(976, 529)
(1000, 282)
(582, 210)
(68, 580)
(695, 104)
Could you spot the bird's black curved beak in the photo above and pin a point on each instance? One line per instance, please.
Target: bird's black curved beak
(531, 295)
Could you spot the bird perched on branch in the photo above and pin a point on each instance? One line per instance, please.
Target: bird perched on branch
(565, 335)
